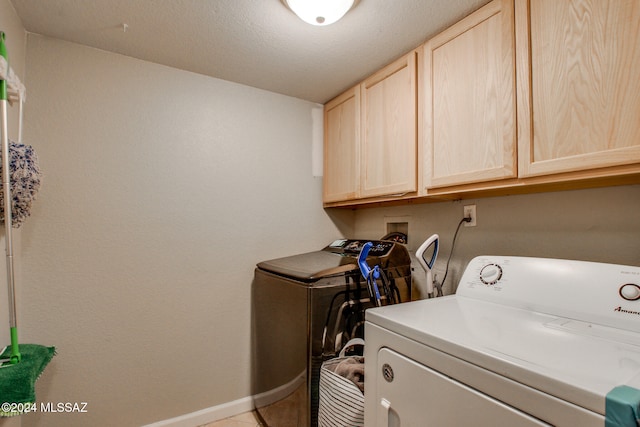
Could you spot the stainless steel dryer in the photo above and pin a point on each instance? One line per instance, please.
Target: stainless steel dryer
(305, 307)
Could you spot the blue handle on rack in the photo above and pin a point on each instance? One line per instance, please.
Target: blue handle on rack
(362, 262)
(369, 274)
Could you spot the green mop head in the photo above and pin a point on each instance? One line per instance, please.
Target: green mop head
(17, 381)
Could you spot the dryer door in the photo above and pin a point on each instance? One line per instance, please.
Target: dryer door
(409, 394)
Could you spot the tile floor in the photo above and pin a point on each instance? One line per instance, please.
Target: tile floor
(248, 419)
(282, 413)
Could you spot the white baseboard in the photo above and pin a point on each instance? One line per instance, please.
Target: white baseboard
(208, 415)
(230, 409)
(279, 393)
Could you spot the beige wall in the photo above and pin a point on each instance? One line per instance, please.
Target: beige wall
(162, 189)
(601, 225)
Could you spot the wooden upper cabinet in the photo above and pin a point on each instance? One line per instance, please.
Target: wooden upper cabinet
(581, 109)
(469, 106)
(341, 147)
(389, 130)
(519, 94)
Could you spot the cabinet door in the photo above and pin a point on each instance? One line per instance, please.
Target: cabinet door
(581, 109)
(469, 99)
(341, 147)
(389, 135)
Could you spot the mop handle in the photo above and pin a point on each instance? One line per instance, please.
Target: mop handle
(6, 186)
(3, 53)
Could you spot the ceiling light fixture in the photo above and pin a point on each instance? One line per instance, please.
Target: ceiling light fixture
(320, 12)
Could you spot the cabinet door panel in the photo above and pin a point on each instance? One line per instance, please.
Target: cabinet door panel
(341, 147)
(469, 111)
(585, 79)
(389, 139)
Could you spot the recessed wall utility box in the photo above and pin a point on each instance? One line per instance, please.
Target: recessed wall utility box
(397, 225)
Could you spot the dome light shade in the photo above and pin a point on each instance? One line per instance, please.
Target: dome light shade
(319, 12)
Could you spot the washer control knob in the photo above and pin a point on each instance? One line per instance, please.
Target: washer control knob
(630, 291)
(490, 274)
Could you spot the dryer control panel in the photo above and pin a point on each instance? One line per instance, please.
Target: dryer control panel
(606, 294)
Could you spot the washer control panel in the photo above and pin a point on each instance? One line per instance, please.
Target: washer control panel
(607, 294)
(353, 247)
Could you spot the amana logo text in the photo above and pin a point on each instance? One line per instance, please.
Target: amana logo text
(622, 310)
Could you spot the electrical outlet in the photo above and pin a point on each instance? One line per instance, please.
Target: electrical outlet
(470, 212)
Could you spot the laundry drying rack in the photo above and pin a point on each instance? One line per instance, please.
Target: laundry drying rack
(346, 314)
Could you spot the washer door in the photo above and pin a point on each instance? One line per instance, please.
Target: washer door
(409, 394)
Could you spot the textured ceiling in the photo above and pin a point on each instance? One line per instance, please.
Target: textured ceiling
(258, 43)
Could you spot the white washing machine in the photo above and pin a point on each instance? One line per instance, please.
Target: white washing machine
(523, 342)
